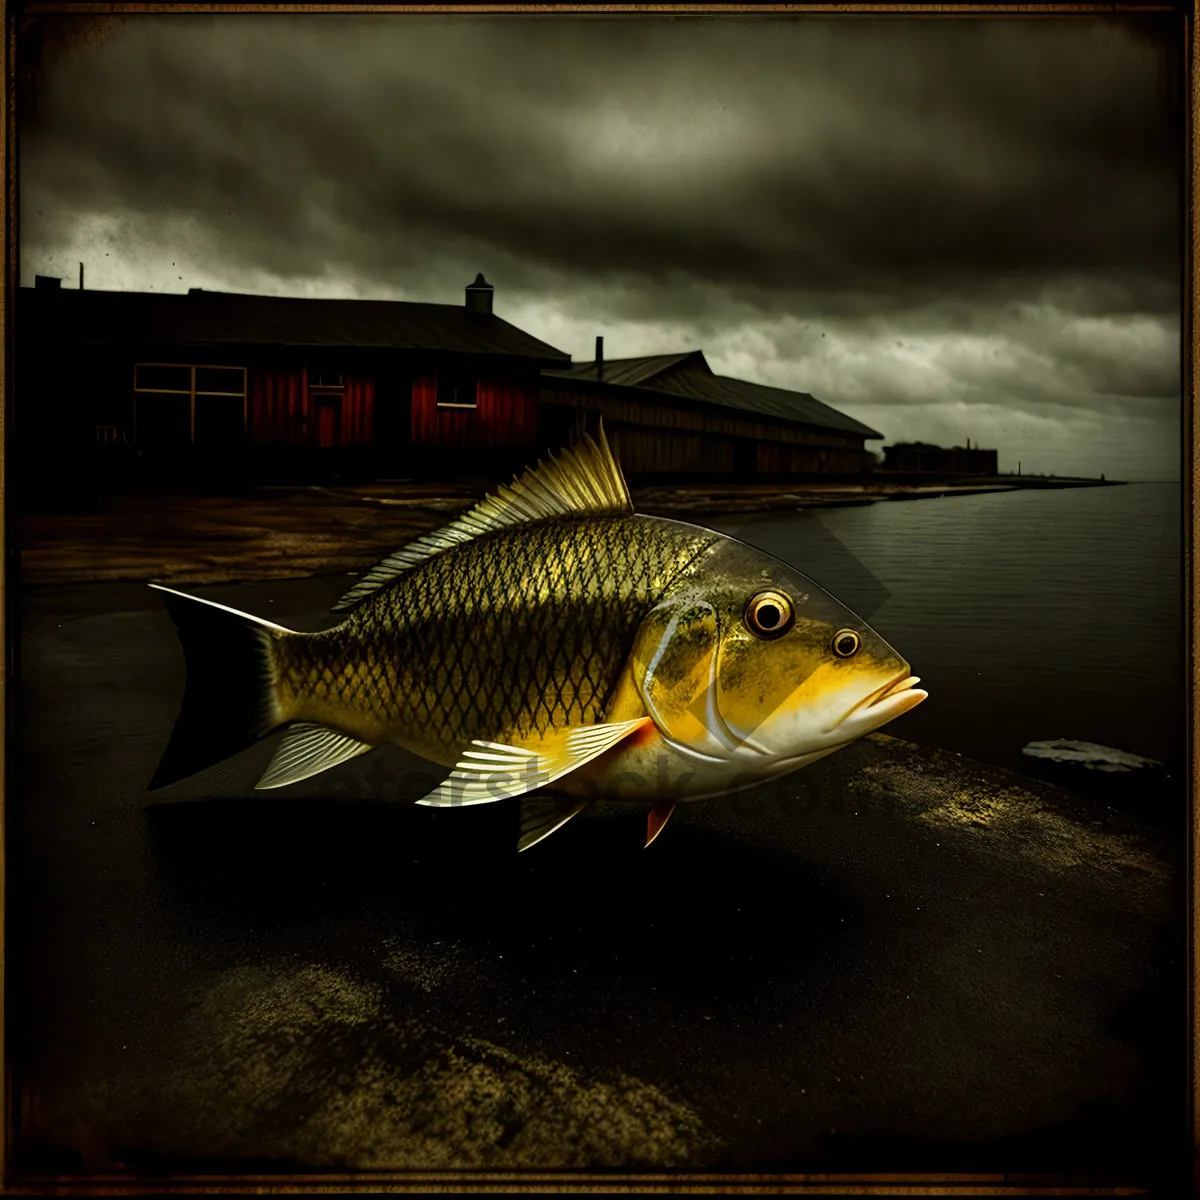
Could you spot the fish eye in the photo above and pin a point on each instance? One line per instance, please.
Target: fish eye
(769, 614)
(846, 643)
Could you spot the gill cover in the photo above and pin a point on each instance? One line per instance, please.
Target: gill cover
(675, 670)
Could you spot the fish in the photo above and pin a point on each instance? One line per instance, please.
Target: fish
(550, 644)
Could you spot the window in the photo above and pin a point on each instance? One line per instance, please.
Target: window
(181, 405)
(220, 381)
(456, 390)
(154, 377)
(325, 379)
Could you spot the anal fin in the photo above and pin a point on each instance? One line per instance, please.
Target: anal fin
(307, 750)
(541, 817)
(494, 771)
(658, 818)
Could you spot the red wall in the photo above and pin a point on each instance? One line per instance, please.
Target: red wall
(282, 411)
(505, 417)
(358, 411)
(279, 413)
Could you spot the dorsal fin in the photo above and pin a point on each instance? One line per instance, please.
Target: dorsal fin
(585, 479)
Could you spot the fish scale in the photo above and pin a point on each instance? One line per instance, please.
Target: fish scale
(509, 635)
(524, 641)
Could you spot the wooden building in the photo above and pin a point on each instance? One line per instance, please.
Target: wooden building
(921, 458)
(137, 385)
(670, 417)
(127, 387)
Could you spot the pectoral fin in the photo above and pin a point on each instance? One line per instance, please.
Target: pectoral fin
(658, 818)
(541, 817)
(308, 750)
(494, 771)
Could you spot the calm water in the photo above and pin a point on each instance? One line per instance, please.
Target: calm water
(1028, 615)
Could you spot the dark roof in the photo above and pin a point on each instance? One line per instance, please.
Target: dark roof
(689, 375)
(770, 401)
(231, 318)
(629, 371)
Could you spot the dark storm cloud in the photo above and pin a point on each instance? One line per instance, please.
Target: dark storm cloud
(870, 163)
(889, 183)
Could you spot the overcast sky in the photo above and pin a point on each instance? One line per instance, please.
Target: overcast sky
(945, 228)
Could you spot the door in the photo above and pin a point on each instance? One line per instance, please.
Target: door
(393, 413)
(219, 407)
(329, 420)
(220, 421)
(164, 421)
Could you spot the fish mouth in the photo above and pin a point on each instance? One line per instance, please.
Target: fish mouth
(901, 683)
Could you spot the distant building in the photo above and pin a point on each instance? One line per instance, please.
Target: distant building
(669, 416)
(921, 458)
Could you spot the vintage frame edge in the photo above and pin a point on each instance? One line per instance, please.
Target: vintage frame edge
(849, 1183)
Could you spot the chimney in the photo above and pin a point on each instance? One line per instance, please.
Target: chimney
(479, 295)
(599, 358)
(45, 283)
(81, 277)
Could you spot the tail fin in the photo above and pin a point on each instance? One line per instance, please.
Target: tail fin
(229, 698)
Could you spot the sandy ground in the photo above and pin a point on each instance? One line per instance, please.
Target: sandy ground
(285, 533)
(893, 960)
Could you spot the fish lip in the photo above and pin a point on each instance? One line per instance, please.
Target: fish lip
(893, 687)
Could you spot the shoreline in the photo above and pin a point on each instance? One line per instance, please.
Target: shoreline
(297, 532)
(774, 497)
